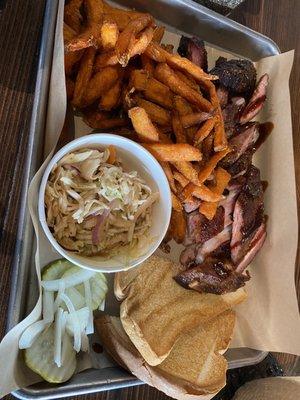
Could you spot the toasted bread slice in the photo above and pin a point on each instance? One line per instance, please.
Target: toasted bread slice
(156, 310)
(189, 370)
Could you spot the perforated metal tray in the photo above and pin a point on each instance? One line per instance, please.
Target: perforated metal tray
(185, 16)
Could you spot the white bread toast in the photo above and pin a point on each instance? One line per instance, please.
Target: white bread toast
(189, 370)
(156, 311)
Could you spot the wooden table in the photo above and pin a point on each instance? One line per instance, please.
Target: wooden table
(20, 28)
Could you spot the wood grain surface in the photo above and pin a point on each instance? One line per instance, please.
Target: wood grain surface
(20, 28)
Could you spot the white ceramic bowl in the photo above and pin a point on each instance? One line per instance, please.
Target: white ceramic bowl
(133, 157)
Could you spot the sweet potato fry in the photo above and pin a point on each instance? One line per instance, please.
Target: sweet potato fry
(194, 119)
(83, 76)
(102, 120)
(178, 128)
(168, 47)
(70, 88)
(176, 205)
(142, 125)
(209, 208)
(159, 93)
(112, 154)
(173, 152)
(182, 106)
(207, 147)
(158, 34)
(188, 80)
(169, 174)
(187, 170)
(201, 192)
(106, 59)
(138, 79)
(100, 83)
(204, 131)
(177, 226)
(90, 35)
(139, 45)
(111, 99)
(109, 33)
(128, 35)
(166, 75)
(72, 15)
(181, 179)
(211, 165)
(71, 60)
(120, 16)
(156, 113)
(220, 139)
(158, 54)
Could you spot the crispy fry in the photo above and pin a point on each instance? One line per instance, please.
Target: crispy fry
(90, 36)
(71, 60)
(72, 15)
(142, 125)
(128, 35)
(167, 170)
(70, 88)
(138, 79)
(105, 60)
(194, 119)
(109, 33)
(211, 165)
(111, 99)
(83, 76)
(139, 45)
(112, 154)
(148, 64)
(163, 137)
(100, 83)
(159, 93)
(220, 139)
(207, 147)
(209, 208)
(178, 128)
(157, 114)
(176, 205)
(158, 34)
(187, 170)
(166, 75)
(181, 179)
(188, 80)
(69, 33)
(182, 106)
(168, 47)
(201, 192)
(102, 120)
(158, 54)
(204, 131)
(177, 226)
(173, 152)
(120, 16)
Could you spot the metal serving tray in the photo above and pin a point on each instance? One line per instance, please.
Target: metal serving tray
(185, 16)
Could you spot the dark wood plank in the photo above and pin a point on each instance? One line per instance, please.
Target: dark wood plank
(20, 27)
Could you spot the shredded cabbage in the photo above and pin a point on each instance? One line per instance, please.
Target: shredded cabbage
(93, 207)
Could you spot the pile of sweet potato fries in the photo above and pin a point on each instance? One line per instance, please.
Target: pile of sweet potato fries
(121, 79)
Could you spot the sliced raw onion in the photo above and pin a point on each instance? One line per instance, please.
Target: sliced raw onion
(48, 306)
(61, 290)
(98, 230)
(82, 315)
(31, 333)
(102, 305)
(88, 299)
(85, 345)
(75, 322)
(69, 281)
(58, 336)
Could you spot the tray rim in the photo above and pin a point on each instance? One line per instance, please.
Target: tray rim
(41, 88)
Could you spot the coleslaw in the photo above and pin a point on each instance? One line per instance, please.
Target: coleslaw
(94, 207)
